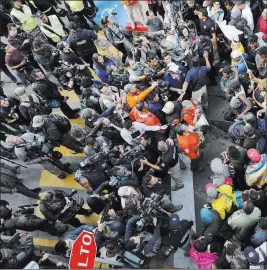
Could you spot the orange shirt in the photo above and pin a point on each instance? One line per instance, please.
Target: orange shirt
(129, 3)
(190, 143)
(188, 116)
(147, 117)
(132, 100)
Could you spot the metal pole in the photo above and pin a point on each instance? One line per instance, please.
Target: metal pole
(13, 162)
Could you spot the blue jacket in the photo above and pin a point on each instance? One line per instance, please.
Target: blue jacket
(74, 234)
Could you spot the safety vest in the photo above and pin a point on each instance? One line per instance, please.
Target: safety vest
(26, 18)
(56, 26)
(75, 5)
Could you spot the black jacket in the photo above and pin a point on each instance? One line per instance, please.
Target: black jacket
(20, 260)
(180, 237)
(212, 229)
(52, 132)
(47, 90)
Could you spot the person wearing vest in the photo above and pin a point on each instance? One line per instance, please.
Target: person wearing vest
(22, 14)
(189, 142)
(81, 41)
(80, 9)
(51, 27)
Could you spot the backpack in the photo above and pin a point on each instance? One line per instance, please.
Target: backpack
(41, 108)
(229, 115)
(62, 123)
(261, 125)
(236, 131)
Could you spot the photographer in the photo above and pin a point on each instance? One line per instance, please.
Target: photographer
(12, 259)
(95, 145)
(24, 219)
(33, 154)
(11, 183)
(55, 203)
(143, 49)
(49, 91)
(169, 160)
(70, 57)
(154, 24)
(152, 184)
(10, 112)
(56, 130)
(114, 34)
(31, 105)
(144, 243)
(90, 179)
(90, 116)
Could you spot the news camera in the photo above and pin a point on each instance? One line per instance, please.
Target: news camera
(118, 78)
(150, 209)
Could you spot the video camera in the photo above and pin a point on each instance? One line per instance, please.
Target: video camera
(150, 209)
(118, 78)
(25, 209)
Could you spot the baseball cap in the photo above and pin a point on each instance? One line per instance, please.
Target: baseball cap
(37, 121)
(174, 222)
(235, 103)
(172, 67)
(236, 14)
(128, 87)
(254, 155)
(20, 91)
(87, 113)
(202, 39)
(235, 54)
(168, 107)
(251, 255)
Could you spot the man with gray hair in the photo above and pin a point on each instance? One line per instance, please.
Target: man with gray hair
(169, 161)
(29, 156)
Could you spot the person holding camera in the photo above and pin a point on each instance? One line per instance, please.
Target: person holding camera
(11, 183)
(144, 243)
(49, 91)
(55, 203)
(152, 184)
(12, 259)
(33, 155)
(169, 160)
(115, 35)
(24, 219)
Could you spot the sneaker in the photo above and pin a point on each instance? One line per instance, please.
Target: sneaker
(177, 208)
(202, 145)
(18, 83)
(177, 187)
(76, 110)
(62, 176)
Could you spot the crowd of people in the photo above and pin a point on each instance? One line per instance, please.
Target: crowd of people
(144, 115)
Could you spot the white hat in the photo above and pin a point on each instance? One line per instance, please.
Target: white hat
(20, 91)
(172, 67)
(168, 107)
(37, 121)
(126, 191)
(235, 54)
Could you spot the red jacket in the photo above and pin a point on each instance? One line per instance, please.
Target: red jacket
(147, 117)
